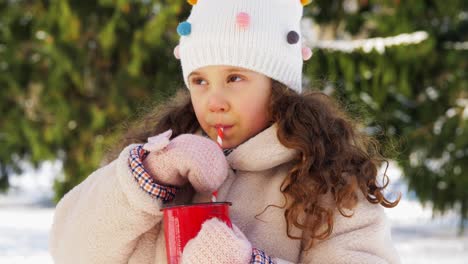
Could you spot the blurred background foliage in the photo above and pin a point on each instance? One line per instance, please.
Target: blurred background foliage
(72, 71)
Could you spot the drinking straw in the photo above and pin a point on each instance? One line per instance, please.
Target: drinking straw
(219, 140)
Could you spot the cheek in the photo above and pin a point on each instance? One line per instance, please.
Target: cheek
(196, 104)
(255, 115)
(196, 108)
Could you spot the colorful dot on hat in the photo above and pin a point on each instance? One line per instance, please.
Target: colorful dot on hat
(192, 2)
(176, 52)
(184, 28)
(293, 37)
(306, 2)
(243, 20)
(306, 53)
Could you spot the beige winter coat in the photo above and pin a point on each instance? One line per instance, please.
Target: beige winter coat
(108, 219)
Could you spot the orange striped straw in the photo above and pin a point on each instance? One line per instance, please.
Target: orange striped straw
(219, 140)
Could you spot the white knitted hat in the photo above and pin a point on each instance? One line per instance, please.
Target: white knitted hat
(259, 35)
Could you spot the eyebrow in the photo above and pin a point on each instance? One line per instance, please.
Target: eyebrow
(229, 70)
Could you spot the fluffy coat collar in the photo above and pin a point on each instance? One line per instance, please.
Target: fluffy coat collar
(261, 152)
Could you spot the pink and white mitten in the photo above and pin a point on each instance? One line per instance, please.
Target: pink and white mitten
(217, 243)
(186, 158)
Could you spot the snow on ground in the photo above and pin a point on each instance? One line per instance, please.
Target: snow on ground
(420, 239)
(24, 235)
(26, 216)
(417, 235)
(26, 213)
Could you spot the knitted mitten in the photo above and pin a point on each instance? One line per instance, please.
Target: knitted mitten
(186, 158)
(217, 243)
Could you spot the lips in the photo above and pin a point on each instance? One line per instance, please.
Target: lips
(222, 126)
(226, 128)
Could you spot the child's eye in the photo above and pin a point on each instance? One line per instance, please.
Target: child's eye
(197, 81)
(233, 78)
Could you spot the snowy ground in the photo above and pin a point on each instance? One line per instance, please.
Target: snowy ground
(26, 216)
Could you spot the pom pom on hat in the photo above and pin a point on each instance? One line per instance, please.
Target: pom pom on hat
(243, 20)
(192, 2)
(176, 52)
(293, 37)
(184, 28)
(306, 53)
(306, 2)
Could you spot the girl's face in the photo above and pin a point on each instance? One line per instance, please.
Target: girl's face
(234, 98)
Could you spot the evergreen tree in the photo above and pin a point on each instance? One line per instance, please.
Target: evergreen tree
(71, 71)
(414, 96)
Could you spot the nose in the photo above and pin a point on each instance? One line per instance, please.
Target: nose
(218, 103)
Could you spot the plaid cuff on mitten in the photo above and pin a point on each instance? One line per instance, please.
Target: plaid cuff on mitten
(144, 179)
(260, 257)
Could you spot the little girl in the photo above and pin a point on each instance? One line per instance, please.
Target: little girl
(301, 177)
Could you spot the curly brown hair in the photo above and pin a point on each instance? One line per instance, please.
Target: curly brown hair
(334, 156)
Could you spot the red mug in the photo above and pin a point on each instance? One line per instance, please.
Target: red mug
(183, 222)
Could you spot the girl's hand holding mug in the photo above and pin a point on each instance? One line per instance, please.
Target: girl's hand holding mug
(217, 243)
(186, 158)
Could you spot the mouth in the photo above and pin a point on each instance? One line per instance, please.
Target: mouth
(224, 127)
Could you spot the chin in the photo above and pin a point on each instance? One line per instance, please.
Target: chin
(230, 146)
